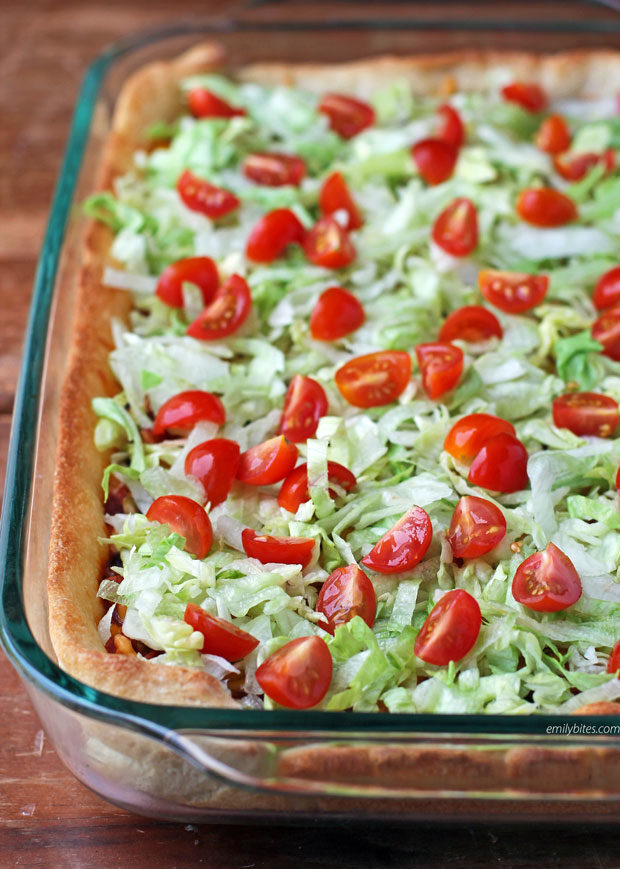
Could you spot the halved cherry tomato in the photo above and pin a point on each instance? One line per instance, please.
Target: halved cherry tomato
(295, 491)
(512, 292)
(607, 289)
(547, 581)
(456, 229)
(272, 235)
(451, 129)
(347, 116)
(281, 550)
(450, 630)
(299, 674)
(530, 97)
(335, 196)
(199, 270)
(337, 313)
(467, 436)
(220, 636)
(180, 413)
(435, 159)
(185, 517)
(501, 465)
(327, 244)
(404, 545)
(268, 462)
(304, 404)
(470, 323)
(553, 135)
(374, 379)
(215, 464)
(227, 311)
(206, 198)
(274, 170)
(606, 329)
(477, 526)
(586, 413)
(346, 593)
(573, 167)
(613, 664)
(545, 207)
(441, 366)
(205, 104)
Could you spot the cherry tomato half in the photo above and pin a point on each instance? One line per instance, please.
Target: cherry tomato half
(199, 270)
(220, 636)
(606, 329)
(327, 244)
(225, 313)
(215, 464)
(435, 160)
(281, 550)
(607, 289)
(205, 104)
(272, 235)
(346, 593)
(299, 674)
(545, 207)
(441, 366)
(404, 545)
(347, 116)
(335, 196)
(573, 167)
(547, 581)
(512, 292)
(374, 379)
(182, 411)
(470, 323)
(206, 198)
(476, 528)
(185, 517)
(274, 170)
(337, 313)
(295, 491)
(268, 462)
(553, 135)
(467, 436)
(529, 96)
(450, 127)
(450, 630)
(613, 664)
(501, 465)
(586, 413)
(456, 229)
(304, 404)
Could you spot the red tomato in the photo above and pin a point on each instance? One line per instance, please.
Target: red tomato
(347, 116)
(501, 465)
(295, 492)
(477, 526)
(346, 593)
(613, 664)
(206, 104)
(226, 313)
(274, 170)
(618, 479)
(185, 517)
(304, 404)
(574, 167)
(553, 135)
(335, 196)
(272, 235)
(441, 366)
(299, 674)
(199, 270)
(512, 292)
(374, 379)
(435, 159)
(467, 436)
(268, 462)
(586, 413)
(530, 97)
(547, 581)
(220, 637)
(470, 323)
(543, 206)
(200, 195)
(451, 629)
(404, 545)
(327, 244)
(607, 330)
(607, 289)
(215, 464)
(456, 228)
(337, 313)
(180, 413)
(281, 550)
(451, 129)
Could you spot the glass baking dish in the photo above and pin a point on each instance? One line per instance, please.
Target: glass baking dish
(200, 764)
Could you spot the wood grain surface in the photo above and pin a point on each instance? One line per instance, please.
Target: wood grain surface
(46, 817)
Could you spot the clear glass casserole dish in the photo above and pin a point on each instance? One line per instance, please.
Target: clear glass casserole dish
(199, 764)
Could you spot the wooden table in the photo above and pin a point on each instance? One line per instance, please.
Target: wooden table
(46, 817)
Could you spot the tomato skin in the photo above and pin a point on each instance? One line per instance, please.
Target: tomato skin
(374, 379)
(199, 195)
(272, 235)
(586, 413)
(295, 491)
(199, 270)
(404, 545)
(441, 365)
(346, 593)
(304, 404)
(182, 411)
(347, 116)
(214, 463)
(470, 323)
(606, 329)
(547, 581)
(575, 167)
(185, 517)
(281, 550)
(337, 313)
(450, 630)
(512, 292)
(435, 160)
(476, 528)
(335, 196)
(274, 169)
(467, 436)
(299, 674)
(607, 289)
(268, 462)
(328, 245)
(501, 465)
(225, 313)
(220, 636)
(545, 207)
(529, 96)
(613, 664)
(451, 129)
(553, 135)
(205, 104)
(456, 229)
